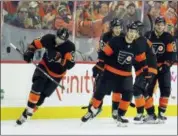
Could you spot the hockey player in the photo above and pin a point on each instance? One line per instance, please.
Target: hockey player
(117, 73)
(142, 98)
(165, 49)
(116, 28)
(58, 58)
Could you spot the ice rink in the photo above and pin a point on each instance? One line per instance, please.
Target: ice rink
(98, 126)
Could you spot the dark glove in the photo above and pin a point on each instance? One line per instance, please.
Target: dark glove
(98, 69)
(53, 55)
(28, 56)
(143, 80)
(164, 68)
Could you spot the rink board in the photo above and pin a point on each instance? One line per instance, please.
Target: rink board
(16, 83)
(12, 113)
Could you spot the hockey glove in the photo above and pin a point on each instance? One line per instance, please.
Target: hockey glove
(28, 55)
(53, 55)
(164, 68)
(98, 69)
(143, 80)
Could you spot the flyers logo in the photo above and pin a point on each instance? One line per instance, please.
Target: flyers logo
(125, 57)
(158, 48)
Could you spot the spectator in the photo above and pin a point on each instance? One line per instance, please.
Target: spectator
(48, 13)
(154, 12)
(169, 12)
(92, 25)
(10, 6)
(120, 10)
(104, 9)
(116, 10)
(133, 14)
(63, 19)
(24, 4)
(99, 13)
(20, 19)
(158, 4)
(33, 15)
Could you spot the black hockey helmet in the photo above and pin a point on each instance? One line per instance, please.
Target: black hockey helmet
(63, 33)
(160, 19)
(140, 26)
(116, 22)
(133, 26)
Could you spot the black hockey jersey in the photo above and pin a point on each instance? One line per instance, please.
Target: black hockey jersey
(146, 46)
(66, 49)
(164, 47)
(104, 40)
(122, 55)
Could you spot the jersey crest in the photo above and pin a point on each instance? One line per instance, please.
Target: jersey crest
(158, 48)
(125, 57)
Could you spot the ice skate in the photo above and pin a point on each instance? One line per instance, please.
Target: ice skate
(92, 112)
(122, 121)
(150, 119)
(139, 118)
(161, 118)
(25, 115)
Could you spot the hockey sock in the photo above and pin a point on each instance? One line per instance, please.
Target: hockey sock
(116, 97)
(139, 103)
(123, 106)
(33, 99)
(163, 102)
(96, 103)
(149, 106)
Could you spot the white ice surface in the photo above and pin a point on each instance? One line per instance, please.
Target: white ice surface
(98, 126)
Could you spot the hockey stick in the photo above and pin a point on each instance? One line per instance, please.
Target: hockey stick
(54, 81)
(94, 90)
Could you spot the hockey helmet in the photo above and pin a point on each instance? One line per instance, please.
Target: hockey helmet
(132, 26)
(63, 33)
(116, 22)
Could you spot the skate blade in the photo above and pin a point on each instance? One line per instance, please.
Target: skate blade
(115, 121)
(161, 121)
(151, 122)
(119, 124)
(138, 122)
(17, 125)
(84, 122)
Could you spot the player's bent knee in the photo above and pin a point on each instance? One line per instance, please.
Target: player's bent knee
(127, 95)
(165, 92)
(137, 91)
(99, 94)
(41, 100)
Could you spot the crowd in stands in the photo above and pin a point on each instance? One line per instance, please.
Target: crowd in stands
(88, 19)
